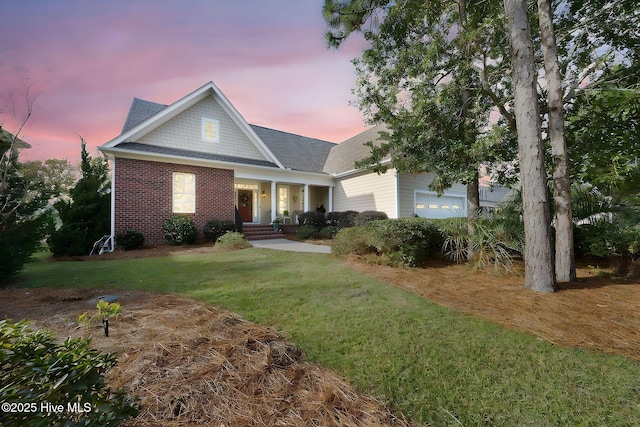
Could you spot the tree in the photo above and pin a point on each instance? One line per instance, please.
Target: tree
(604, 133)
(26, 189)
(538, 256)
(85, 217)
(565, 268)
(419, 78)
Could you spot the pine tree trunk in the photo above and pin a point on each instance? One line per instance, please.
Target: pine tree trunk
(565, 258)
(538, 256)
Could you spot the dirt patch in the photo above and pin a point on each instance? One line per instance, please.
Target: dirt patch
(194, 365)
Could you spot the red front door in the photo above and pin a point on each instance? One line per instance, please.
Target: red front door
(245, 205)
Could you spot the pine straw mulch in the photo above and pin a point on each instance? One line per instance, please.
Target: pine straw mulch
(195, 365)
(598, 312)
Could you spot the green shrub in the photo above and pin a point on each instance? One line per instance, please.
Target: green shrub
(351, 240)
(329, 232)
(455, 234)
(342, 219)
(407, 241)
(495, 242)
(36, 370)
(315, 218)
(307, 232)
(214, 229)
(179, 230)
(367, 216)
(630, 240)
(130, 239)
(232, 240)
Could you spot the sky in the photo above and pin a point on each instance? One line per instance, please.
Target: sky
(80, 63)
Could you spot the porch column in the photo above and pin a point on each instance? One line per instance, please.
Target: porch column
(330, 208)
(273, 200)
(306, 198)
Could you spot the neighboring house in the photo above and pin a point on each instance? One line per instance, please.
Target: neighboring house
(199, 157)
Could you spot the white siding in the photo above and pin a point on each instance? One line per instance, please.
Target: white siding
(367, 191)
(409, 184)
(185, 132)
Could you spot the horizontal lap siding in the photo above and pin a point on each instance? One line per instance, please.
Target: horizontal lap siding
(143, 196)
(367, 191)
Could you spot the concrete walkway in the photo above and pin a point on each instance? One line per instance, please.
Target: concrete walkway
(290, 245)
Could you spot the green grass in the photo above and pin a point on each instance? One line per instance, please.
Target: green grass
(437, 366)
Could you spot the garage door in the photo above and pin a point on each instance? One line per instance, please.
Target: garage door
(446, 206)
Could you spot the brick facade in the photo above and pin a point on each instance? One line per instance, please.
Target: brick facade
(143, 196)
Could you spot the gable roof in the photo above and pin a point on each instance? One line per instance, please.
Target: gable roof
(293, 151)
(343, 156)
(133, 130)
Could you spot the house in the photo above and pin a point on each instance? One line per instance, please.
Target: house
(199, 157)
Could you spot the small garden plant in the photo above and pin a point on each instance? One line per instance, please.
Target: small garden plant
(232, 240)
(215, 229)
(105, 311)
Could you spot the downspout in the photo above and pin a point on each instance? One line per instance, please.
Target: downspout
(113, 200)
(397, 179)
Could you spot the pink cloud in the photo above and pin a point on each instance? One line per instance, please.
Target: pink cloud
(87, 60)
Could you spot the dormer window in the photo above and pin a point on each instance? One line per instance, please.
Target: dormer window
(210, 130)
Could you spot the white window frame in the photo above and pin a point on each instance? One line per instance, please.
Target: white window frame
(283, 199)
(187, 204)
(205, 136)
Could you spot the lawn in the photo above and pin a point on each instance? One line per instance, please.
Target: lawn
(435, 365)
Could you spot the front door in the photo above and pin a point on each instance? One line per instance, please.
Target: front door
(245, 205)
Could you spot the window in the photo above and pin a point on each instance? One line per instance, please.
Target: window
(184, 192)
(210, 130)
(283, 199)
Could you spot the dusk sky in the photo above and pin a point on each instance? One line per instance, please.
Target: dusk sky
(84, 62)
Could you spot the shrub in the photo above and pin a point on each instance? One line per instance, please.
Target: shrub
(130, 239)
(329, 232)
(36, 370)
(494, 243)
(232, 240)
(315, 218)
(367, 216)
(351, 240)
(214, 229)
(406, 241)
(342, 219)
(179, 230)
(307, 232)
(455, 234)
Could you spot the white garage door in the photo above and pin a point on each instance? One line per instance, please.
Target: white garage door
(429, 205)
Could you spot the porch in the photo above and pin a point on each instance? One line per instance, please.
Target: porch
(262, 202)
